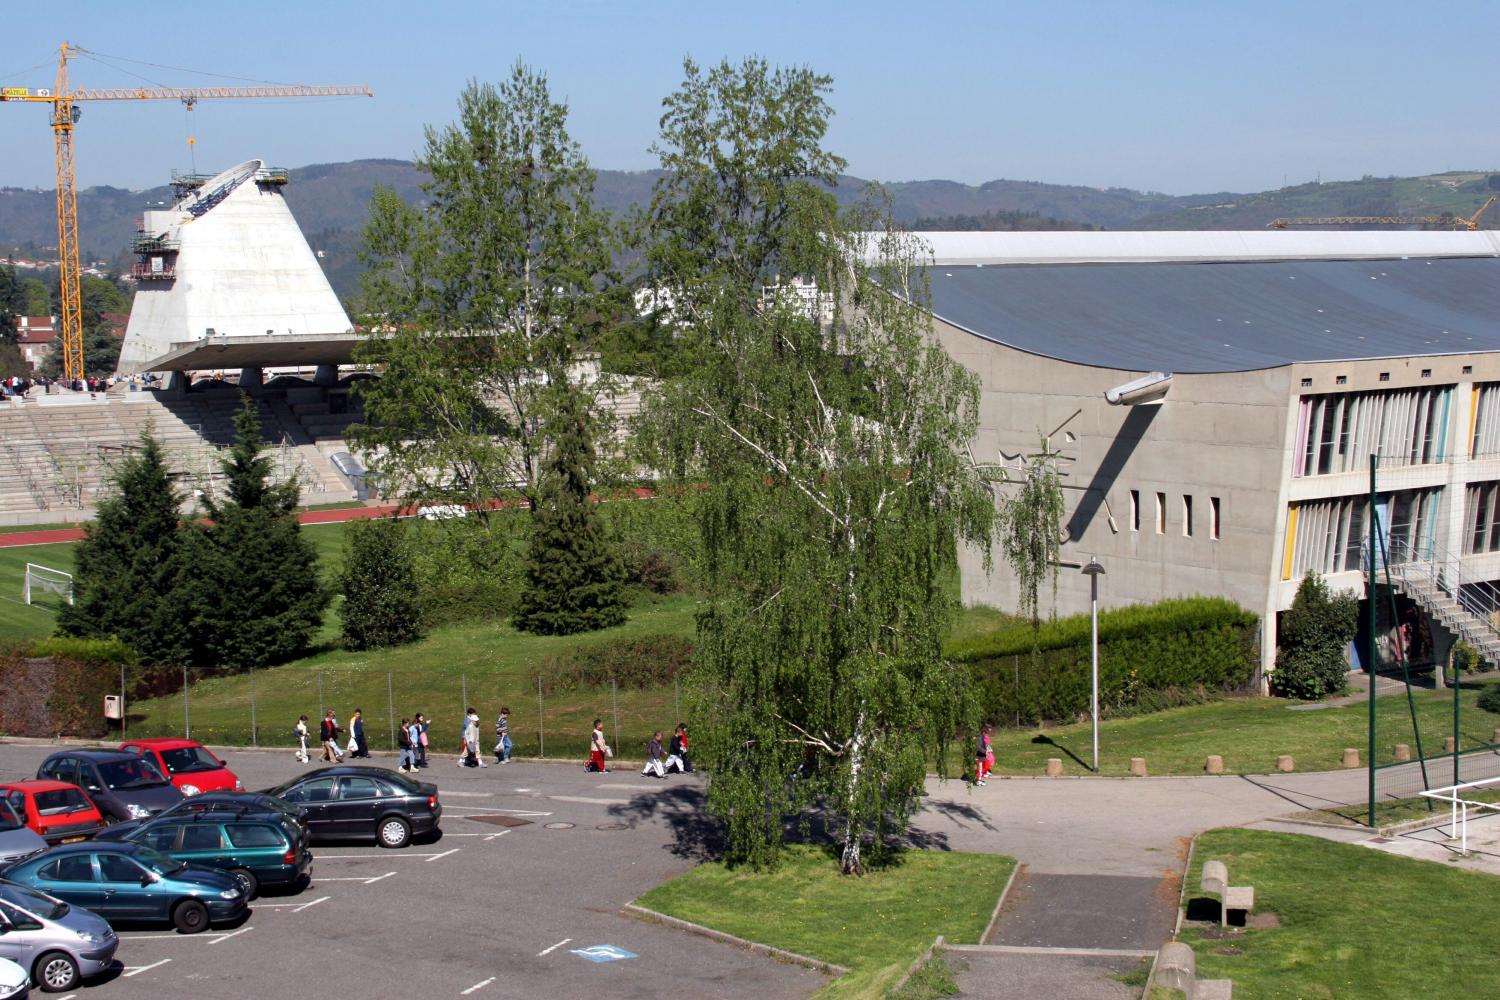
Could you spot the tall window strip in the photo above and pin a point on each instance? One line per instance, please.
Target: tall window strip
(1331, 533)
(1135, 510)
(1339, 431)
(1161, 513)
(1484, 440)
(1213, 518)
(1187, 515)
(1482, 516)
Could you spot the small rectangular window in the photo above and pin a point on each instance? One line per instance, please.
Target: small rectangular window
(1213, 518)
(1307, 383)
(1427, 373)
(1468, 369)
(1161, 513)
(1135, 510)
(1341, 380)
(1385, 376)
(1187, 515)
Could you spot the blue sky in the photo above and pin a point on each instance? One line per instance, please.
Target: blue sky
(1170, 96)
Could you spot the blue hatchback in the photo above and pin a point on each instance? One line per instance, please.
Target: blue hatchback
(131, 882)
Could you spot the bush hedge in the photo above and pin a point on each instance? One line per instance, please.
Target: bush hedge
(57, 686)
(637, 664)
(1175, 651)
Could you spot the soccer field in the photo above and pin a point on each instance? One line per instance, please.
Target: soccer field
(17, 621)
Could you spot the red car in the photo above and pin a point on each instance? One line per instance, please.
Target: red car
(57, 811)
(188, 764)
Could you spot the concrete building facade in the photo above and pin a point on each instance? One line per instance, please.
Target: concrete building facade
(1281, 361)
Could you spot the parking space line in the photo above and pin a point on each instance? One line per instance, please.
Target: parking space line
(388, 855)
(550, 950)
(315, 902)
(477, 986)
(145, 968)
(494, 835)
(357, 878)
(443, 855)
(591, 801)
(225, 937)
(468, 795)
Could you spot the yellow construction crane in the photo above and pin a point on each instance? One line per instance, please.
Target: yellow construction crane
(1471, 223)
(65, 115)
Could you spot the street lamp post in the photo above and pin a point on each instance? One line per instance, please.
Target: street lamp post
(1094, 571)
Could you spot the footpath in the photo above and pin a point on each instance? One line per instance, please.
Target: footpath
(1100, 866)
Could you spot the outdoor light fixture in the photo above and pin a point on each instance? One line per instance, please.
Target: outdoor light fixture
(1147, 390)
(1094, 570)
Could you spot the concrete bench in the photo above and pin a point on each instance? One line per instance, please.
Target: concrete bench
(1177, 968)
(1215, 882)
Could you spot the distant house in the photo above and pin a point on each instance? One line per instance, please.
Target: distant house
(34, 335)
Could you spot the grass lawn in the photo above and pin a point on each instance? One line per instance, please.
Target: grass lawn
(875, 925)
(1393, 811)
(18, 622)
(1249, 733)
(1354, 922)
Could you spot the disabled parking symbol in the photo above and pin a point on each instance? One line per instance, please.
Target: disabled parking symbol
(603, 953)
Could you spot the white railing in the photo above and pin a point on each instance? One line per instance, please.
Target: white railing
(1458, 823)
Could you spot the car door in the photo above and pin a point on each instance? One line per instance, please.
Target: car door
(128, 890)
(14, 944)
(358, 802)
(70, 877)
(316, 795)
(203, 844)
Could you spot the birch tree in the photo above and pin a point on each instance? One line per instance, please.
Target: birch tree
(499, 276)
(830, 430)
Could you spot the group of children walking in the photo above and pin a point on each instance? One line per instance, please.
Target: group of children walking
(677, 756)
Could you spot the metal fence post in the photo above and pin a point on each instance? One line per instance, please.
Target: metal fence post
(677, 697)
(187, 717)
(253, 741)
(614, 701)
(123, 707)
(541, 736)
(321, 716)
(390, 707)
(463, 680)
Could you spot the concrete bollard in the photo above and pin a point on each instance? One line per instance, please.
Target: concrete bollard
(1351, 757)
(1214, 765)
(1285, 764)
(1054, 767)
(1403, 752)
(1138, 766)
(1448, 744)
(1177, 967)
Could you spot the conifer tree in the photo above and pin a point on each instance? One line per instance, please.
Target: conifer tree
(260, 599)
(574, 574)
(130, 580)
(381, 604)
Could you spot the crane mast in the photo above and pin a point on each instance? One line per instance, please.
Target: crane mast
(65, 115)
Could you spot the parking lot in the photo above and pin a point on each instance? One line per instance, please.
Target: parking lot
(519, 896)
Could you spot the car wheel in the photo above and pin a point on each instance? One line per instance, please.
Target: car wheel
(190, 917)
(249, 885)
(393, 832)
(56, 972)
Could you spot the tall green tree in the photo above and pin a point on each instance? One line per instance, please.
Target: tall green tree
(832, 429)
(574, 574)
(498, 278)
(1312, 644)
(134, 579)
(12, 304)
(382, 603)
(259, 597)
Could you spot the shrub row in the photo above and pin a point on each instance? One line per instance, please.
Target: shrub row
(1172, 652)
(635, 664)
(57, 686)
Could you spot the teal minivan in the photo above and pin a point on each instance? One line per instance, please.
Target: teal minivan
(258, 847)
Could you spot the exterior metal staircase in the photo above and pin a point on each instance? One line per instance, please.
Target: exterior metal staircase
(1435, 580)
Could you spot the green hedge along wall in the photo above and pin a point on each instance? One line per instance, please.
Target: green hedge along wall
(1150, 656)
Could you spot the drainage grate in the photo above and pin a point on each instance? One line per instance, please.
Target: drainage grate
(500, 820)
(559, 826)
(612, 826)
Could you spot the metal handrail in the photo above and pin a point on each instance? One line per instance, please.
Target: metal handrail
(1444, 572)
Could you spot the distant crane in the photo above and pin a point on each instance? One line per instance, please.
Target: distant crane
(1471, 223)
(65, 115)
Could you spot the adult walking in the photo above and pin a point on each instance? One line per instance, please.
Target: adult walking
(422, 726)
(471, 741)
(406, 757)
(598, 749)
(357, 725)
(328, 734)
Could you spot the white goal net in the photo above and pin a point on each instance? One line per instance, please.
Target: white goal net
(46, 580)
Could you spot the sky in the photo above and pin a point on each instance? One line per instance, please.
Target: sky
(1159, 95)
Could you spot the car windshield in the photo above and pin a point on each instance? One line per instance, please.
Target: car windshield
(125, 774)
(37, 903)
(9, 820)
(157, 861)
(189, 760)
(59, 801)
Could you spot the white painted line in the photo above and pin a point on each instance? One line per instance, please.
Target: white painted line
(467, 795)
(553, 948)
(70, 996)
(145, 968)
(388, 855)
(477, 986)
(494, 835)
(356, 878)
(377, 878)
(443, 855)
(225, 937)
(585, 798)
(315, 902)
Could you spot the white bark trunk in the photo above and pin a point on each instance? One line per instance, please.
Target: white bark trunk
(850, 863)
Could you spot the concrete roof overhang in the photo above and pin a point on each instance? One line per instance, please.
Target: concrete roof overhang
(276, 351)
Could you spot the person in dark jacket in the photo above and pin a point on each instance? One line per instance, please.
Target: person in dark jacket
(328, 734)
(653, 756)
(677, 751)
(357, 724)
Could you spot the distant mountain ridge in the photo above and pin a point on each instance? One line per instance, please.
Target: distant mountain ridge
(331, 202)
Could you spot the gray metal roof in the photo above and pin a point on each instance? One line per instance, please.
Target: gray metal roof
(1227, 316)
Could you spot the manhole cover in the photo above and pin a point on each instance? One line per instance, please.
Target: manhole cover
(612, 826)
(559, 826)
(500, 820)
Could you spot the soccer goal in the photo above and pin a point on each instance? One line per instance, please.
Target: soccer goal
(46, 580)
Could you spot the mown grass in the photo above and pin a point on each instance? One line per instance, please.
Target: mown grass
(875, 925)
(1248, 732)
(1394, 811)
(1354, 922)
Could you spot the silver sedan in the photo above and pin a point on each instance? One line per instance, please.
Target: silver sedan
(58, 944)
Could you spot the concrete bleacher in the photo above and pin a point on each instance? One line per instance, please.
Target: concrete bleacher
(57, 452)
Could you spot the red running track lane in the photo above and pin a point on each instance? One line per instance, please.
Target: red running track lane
(50, 536)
